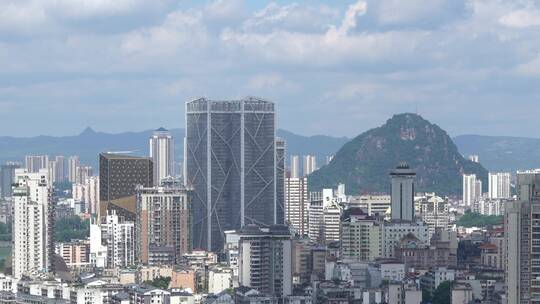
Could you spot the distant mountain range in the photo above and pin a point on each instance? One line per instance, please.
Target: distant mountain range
(364, 163)
(90, 143)
(500, 153)
(496, 153)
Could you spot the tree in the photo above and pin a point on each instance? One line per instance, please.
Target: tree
(69, 228)
(472, 219)
(160, 282)
(443, 293)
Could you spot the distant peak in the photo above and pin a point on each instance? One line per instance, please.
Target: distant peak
(87, 131)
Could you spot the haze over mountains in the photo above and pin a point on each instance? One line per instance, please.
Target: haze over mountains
(496, 153)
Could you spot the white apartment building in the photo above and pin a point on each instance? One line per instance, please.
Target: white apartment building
(119, 237)
(73, 164)
(372, 204)
(324, 217)
(499, 185)
(88, 193)
(310, 164)
(472, 189)
(32, 207)
(297, 204)
(295, 166)
(161, 146)
(219, 280)
(434, 211)
(393, 232)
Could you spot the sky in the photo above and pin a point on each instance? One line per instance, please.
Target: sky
(332, 67)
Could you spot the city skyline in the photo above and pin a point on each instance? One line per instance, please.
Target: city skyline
(340, 64)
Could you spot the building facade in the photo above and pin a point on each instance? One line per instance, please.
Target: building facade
(118, 235)
(265, 259)
(163, 221)
(119, 175)
(73, 164)
(232, 164)
(310, 164)
(34, 163)
(360, 236)
(32, 207)
(472, 189)
(499, 185)
(403, 193)
(297, 204)
(161, 146)
(295, 166)
(522, 236)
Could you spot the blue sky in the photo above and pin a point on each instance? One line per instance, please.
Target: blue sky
(332, 67)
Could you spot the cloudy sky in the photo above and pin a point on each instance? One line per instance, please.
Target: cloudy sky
(332, 67)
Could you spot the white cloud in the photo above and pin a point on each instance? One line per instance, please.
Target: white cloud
(265, 81)
(372, 55)
(521, 18)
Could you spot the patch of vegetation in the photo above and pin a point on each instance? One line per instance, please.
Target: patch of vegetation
(67, 229)
(472, 219)
(160, 282)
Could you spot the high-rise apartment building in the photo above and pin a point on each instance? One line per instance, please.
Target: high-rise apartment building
(403, 193)
(310, 164)
(88, 192)
(7, 177)
(51, 171)
(297, 204)
(434, 212)
(231, 162)
(34, 163)
(295, 166)
(118, 235)
(83, 172)
(119, 175)
(522, 237)
(265, 259)
(472, 189)
(73, 164)
(60, 169)
(360, 236)
(324, 217)
(499, 185)
(163, 222)
(161, 145)
(32, 207)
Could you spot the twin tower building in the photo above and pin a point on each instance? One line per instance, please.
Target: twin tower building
(234, 163)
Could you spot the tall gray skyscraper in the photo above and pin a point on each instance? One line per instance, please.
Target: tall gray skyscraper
(403, 193)
(162, 153)
(231, 162)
